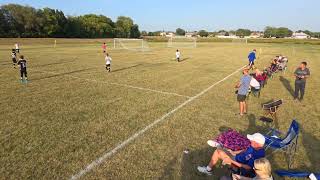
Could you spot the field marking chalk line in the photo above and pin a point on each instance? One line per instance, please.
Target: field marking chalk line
(110, 153)
(123, 85)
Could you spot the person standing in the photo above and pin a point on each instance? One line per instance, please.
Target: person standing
(23, 67)
(301, 74)
(104, 47)
(252, 58)
(108, 60)
(178, 54)
(243, 89)
(17, 48)
(14, 58)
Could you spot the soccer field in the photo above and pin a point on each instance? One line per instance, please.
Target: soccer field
(73, 119)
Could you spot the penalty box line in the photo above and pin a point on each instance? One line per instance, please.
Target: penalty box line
(110, 153)
(123, 85)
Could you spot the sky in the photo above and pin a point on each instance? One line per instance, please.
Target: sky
(210, 15)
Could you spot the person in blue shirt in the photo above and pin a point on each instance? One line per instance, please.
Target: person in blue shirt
(244, 160)
(252, 58)
(243, 89)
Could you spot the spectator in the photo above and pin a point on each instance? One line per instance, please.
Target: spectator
(261, 167)
(243, 89)
(243, 159)
(301, 74)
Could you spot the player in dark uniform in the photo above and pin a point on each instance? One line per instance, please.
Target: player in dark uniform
(14, 57)
(23, 67)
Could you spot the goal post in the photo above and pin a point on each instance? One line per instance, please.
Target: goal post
(182, 42)
(130, 44)
(240, 40)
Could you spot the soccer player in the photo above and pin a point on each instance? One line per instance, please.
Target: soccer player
(23, 68)
(17, 47)
(14, 58)
(252, 58)
(108, 62)
(178, 54)
(104, 47)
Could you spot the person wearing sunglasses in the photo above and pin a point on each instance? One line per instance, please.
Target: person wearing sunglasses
(262, 169)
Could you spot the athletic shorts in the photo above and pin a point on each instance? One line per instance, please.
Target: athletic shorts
(14, 60)
(251, 63)
(241, 98)
(108, 65)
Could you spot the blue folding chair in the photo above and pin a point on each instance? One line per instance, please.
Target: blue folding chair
(288, 144)
(294, 174)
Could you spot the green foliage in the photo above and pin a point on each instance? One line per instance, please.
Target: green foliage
(243, 32)
(281, 32)
(180, 32)
(24, 21)
(203, 33)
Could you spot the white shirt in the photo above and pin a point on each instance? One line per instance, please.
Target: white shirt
(13, 55)
(177, 54)
(17, 46)
(108, 59)
(254, 83)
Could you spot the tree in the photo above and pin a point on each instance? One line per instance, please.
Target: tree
(123, 26)
(243, 32)
(203, 33)
(180, 32)
(277, 32)
(144, 33)
(134, 32)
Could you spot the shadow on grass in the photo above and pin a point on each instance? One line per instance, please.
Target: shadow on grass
(186, 168)
(125, 68)
(54, 63)
(286, 84)
(311, 145)
(61, 74)
(184, 59)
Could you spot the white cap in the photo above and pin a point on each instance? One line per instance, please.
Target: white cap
(257, 137)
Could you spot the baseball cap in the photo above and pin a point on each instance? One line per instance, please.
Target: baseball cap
(257, 137)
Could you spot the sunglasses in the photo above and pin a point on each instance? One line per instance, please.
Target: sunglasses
(254, 168)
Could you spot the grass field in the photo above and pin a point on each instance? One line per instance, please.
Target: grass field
(72, 112)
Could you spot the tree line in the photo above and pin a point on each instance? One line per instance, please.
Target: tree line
(269, 32)
(25, 21)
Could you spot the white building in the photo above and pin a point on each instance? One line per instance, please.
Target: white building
(191, 34)
(300, 35)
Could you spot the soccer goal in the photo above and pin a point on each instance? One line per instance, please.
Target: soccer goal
(240, 40)
(182, 42)
(130, 44)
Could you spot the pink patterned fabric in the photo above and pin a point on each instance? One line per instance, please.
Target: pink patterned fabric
(233, 140)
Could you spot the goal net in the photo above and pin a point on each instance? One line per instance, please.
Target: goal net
(130, 44)
(181, 42)
(240, 40)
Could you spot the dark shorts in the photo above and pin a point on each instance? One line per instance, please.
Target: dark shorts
(108, 65)
(251, 63)
(14, 60)
(241, 98)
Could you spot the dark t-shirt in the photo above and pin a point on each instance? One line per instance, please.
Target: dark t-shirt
(23, 64)
(299, 72)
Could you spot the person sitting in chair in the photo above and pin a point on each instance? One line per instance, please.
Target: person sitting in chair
(244, 160)
(261, 167)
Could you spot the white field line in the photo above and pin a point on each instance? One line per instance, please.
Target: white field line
(124, 85)
(110, 153)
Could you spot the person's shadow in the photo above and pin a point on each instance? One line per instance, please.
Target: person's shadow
(286, 84)
(185, 167)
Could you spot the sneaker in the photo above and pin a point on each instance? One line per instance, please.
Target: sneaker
(203, 169)
(213, 143)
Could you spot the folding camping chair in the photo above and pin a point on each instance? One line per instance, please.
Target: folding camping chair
(295, 174)
(271, 108)
(288, 144)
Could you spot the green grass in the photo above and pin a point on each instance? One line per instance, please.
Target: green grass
(72, 111)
